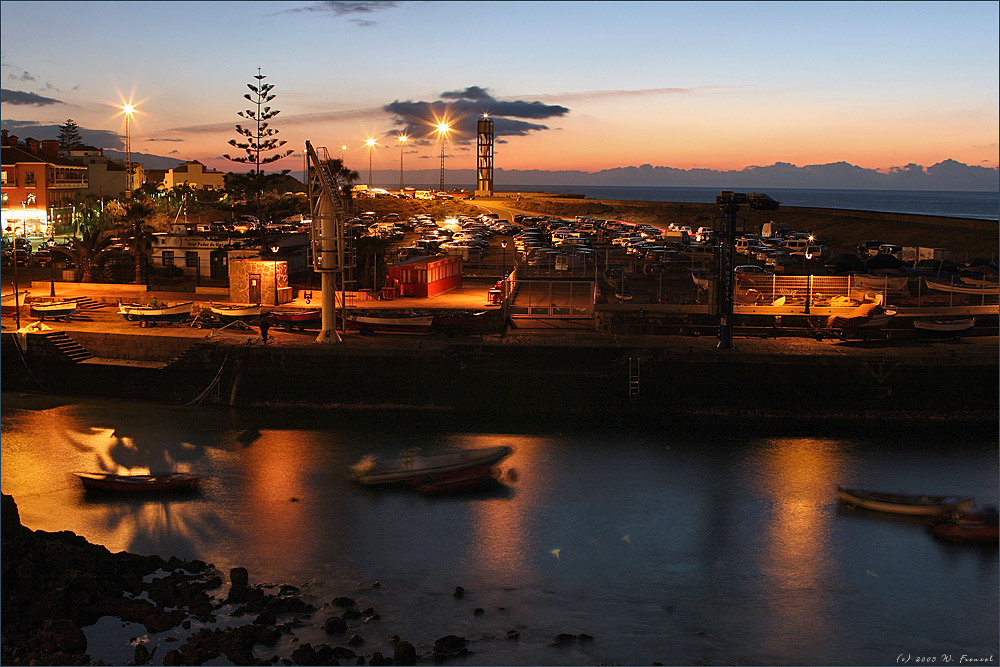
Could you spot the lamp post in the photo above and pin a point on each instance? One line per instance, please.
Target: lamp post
(503, 271)
(370, 142)
(402, 142)
(442, 130)
(128, 109)
(274, 258)
(17, 305)
(343, 150)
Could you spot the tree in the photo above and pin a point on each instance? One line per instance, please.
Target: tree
(97, 236)
(138, 235)
(69, 136)
(260, 139)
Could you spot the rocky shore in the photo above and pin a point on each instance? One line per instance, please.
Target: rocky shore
(57, 584)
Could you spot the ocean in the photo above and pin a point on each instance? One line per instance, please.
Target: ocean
(979, 205)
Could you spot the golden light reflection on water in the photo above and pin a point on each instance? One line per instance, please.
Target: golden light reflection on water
(501, 539)
(797, 477)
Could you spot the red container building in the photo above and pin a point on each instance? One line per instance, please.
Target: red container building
(425, 276)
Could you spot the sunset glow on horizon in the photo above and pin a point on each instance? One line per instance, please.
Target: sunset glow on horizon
(719, 86)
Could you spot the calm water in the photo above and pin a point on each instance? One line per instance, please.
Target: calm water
(683, 550)
(981, 205)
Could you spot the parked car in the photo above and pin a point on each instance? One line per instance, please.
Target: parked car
(780, 259)
(868, 248)
(752, 269)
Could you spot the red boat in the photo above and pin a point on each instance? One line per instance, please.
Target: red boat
(169, 481)
(968, 527)
(298, 319)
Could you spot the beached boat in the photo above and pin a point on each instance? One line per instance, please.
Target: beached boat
(462, 468)
(968, 527)
(943, 328)
(961, 287)
(861, 322)
(155, 482)
(462, 321)
(900, 503)
(53, 310)
(408, 322)
(298, 319)
(229, 313)
(151, 315)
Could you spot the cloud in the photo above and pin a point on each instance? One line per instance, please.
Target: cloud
(19, 97)
(18, 124)
(338, 8)
(603, 94)
(296, 119)
(23, 76)
(158, 139)
(463, 109)
(98, 138)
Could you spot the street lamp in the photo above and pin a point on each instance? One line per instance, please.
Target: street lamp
(17, 305)
(442, 130)
(370, 142)
(274, 258)
(343, 149)
(402, 141)
(503, 272)
(128, 109)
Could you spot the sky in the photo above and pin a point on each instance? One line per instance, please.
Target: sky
(570, 85)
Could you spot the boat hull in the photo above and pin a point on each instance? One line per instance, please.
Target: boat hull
(147, 315)
(229, 314)
(300, 319)
(903, 504)
(943, 328)
(453, 468)
(969, 528)
(128, 484)
(53, 311)
(390, 323)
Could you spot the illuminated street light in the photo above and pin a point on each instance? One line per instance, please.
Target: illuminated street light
(442, 130)
(402, 141)
(371, 144)
(128, 110)
(274, 258)
(343, 149)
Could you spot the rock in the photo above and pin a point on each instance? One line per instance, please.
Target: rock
(343, 652)
(351, 614)
(172, 657)
(512, 634)
(585, 637)
(459, 592)
(239, 577)
(334, 625)
(378, 659)
(403, 653)
(478, 611)
(372, 618)
(563, 639)
(266, 617)
(450, 646)
(355, 640)
(344, 602)
(141, 655)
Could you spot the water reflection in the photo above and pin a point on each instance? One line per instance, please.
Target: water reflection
(796, 480)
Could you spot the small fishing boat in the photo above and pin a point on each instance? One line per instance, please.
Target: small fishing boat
(968, 527)
(407, 322)
(53, 310)
(154, 482)
(900, 503)
(151, 315)
(436, 472)
(229, 313)
(298, 319)
(962, 287)
(943, 328)
(861, 322)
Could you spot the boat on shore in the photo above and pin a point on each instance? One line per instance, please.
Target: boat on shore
(435, 473)
(405, 322)
(968, 527)
(53, 310)
(463, 321)
(152, 315)
(230, 313)
(962, 287)
(154, 482)
(943, 328)
(862, 322)
(298, 319)
(901, 503)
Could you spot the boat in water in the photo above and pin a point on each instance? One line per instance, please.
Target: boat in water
(298, 319)
(943, 328)
(398, 322)
(229, 313)
(435, 473)
(152, 315)
(53, 310)
(901, 503)
(968, 527)
(154, 482)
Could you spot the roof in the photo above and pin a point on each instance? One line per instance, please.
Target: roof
(17, 154)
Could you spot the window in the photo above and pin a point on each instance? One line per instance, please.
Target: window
(191, 259)
(168, 257)
(29, 179)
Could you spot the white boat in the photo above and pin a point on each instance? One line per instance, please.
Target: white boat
(465, 467)
(960, 287)
(56, 310)
(150, 315)
(234, 312)
(860, 322)
(390, 322)
(943, 328)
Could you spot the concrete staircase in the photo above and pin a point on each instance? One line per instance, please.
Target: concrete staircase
(67, 346)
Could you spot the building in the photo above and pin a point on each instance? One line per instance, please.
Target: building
(35, 180)
(106, 178)
(194, 175)
(425, 276)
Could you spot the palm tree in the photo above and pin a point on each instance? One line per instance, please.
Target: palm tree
(97, 235)
(138, 235)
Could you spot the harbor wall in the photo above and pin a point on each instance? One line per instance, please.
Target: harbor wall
(494, 381)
